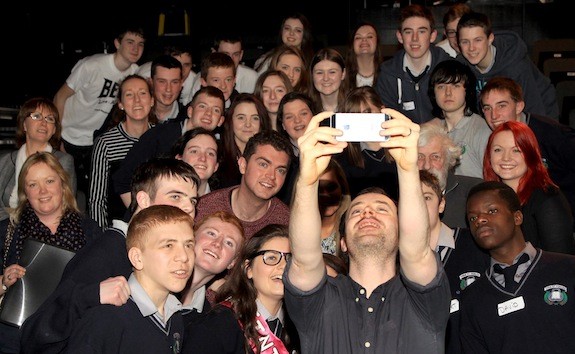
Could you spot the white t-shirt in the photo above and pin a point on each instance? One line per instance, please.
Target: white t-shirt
(95, 81)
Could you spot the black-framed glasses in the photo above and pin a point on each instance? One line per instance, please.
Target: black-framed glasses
(273, 257)
(38, 117)
(451, 33)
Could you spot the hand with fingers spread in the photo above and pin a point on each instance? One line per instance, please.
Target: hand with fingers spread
(402, 144)
(316, 147)
(114, 291)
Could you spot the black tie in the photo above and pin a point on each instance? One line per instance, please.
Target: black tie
(509, 273)
(275, 326)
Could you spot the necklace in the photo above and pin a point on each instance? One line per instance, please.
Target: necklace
(366, 77)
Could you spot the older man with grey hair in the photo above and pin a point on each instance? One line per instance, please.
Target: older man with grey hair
(438, 154)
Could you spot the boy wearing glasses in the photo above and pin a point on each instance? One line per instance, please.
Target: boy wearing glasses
(160, 245)
(450, 21)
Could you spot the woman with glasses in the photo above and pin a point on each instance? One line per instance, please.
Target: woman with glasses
(250, 316)
(38, 129)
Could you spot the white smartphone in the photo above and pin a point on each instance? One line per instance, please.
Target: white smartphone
(358, 127)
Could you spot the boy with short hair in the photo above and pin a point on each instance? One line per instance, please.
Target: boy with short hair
(160, 245)
(218, 70)
(403, 80)
(97, 274)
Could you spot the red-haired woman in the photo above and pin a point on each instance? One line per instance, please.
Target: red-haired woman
(513, 157)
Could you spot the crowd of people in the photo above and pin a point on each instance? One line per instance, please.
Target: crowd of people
(218, 212)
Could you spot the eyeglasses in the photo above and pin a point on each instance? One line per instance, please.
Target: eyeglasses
(272, 257)
(39, 117)
(451, 33)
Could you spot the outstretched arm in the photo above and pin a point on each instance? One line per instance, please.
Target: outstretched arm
(417, 259)
(316, 147)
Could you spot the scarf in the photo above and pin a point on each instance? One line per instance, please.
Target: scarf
(268, 342)
(69, 235)
(20, 159)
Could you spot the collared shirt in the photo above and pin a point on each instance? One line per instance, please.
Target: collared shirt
(531, 252)
(120, 225)
(445, 240)
(267, 315)
(197, 302)
(147, 307)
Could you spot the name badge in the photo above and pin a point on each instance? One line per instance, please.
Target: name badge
(454, 306)
(409, 106)
(510, 306)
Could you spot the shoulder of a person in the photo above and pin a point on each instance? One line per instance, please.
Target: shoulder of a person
(246, 70)
(7, 156)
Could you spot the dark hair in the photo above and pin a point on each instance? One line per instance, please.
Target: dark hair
(180, 145)
(332, 55)
(137, 30)
(336, 263)
(475, 19)
(430, 180)
(240, 290)
(290, 97)
(231, 151)
(269, 137)
(147, 174)
(228, 37)
(165, 61)
(216, 60)
(304, 80)
(210, 91)
(271, 72)
(416, 10)
(504, 191)
(307, 38)
(452, 71)
(356, 97)
(118, 115)
(367, 190)
(29, 107)
(351, 67)
(505, 84)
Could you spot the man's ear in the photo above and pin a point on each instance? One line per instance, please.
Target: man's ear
(518, 217)
(203, 82)
(116, 43)
(441, 208)
(143, 199)
(398, 36)
(135, 257)
(242, 163)
(221, 121)
(433, 36)
(342, 244)
(519, 107)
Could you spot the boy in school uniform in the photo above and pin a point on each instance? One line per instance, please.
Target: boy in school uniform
(160, 245)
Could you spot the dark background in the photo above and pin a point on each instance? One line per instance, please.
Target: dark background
(41, 42)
